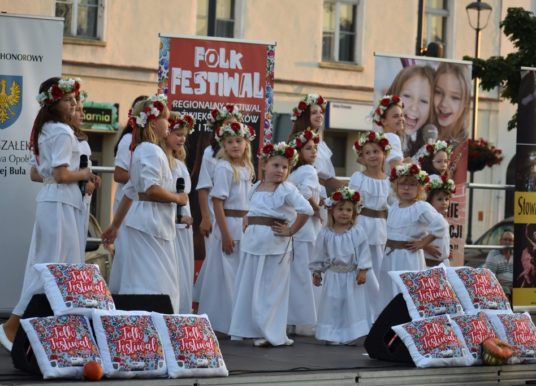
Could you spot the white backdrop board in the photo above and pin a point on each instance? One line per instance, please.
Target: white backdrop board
(30, 52)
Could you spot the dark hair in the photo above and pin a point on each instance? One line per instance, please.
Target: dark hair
(428, 166)
(47, 113)
(214, 144)
(433, 192)
(128, 129)
(301, 123)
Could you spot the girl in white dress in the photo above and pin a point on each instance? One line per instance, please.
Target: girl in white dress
(148, 264)
(440, 190)
(301, 306)
(412, 223)
(233, 177)
(59, 217)
(342, 255)
(389, 115)
(227, 114)
(262, 282)
(180, 127)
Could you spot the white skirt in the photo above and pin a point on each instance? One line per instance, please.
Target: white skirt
(184, 245)
(262, 293)
(301, 305)
(57, 237)
(146, 265)
(217, 291)
(199, 281)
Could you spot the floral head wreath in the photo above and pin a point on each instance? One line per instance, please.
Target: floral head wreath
(234, 129)
(226, 112)
(303, 137)
(279, 149)
(308, 100)
(182, 121)
(383, 105)
(409, 170)
(150, 112)
(58, 90)
(441, 183)
(344, 194)
(431, 149)
(83, 96)
(372, 137)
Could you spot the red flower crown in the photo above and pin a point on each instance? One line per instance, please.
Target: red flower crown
(184, 121)
(303, 137)
(383, 105)
(372, 137)
(281, 149)
(308, 100)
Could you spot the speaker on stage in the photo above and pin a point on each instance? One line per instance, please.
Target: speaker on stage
(22, 354)
(382, 343)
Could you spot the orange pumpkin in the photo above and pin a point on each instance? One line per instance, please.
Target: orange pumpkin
(93, 371)
(496, 352)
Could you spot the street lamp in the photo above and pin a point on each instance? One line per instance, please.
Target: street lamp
(478, 14)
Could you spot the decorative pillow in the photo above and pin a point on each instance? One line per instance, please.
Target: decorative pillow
(478, 289)
(433, 342)
(475, 330)
(427, 293)
(75, 288)
(62, 344)
(190, 345)
(518, 331)
(129, 343)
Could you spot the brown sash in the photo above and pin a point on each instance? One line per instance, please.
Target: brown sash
(260, 220)
(373, 213)
(235, 212)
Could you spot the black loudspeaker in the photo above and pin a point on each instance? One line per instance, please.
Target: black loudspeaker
(22, 354)
(382, 343)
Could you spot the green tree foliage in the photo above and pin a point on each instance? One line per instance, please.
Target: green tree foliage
(519, 26)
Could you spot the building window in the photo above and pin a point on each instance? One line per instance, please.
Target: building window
(339, 31)
(83, 18)
(216, 18)
(435, 22)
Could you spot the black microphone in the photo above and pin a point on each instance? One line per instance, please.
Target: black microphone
(430, 134)
(179, 187)
(84, 163)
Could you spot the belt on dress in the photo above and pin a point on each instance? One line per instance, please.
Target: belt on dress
(431, 262)
(261, 220)
(343, 268)
(373, 213)
(234, 212)
(396, 244)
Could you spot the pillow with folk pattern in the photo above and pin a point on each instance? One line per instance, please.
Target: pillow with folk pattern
(129, 343)
(433, 342)
(62, 344)
(427, 293)
(475, 330)
(75, 288)
(518, 330)
(190, 345)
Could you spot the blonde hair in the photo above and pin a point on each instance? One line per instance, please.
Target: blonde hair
(458, 132)
(421, 192)
(181, 153)
(146, 134)
(331, 218)
(245, 161)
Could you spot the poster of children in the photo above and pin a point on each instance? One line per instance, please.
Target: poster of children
(436, 94)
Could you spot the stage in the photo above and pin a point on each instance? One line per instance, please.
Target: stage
(310, 362)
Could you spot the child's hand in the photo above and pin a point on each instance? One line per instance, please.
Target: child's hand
(415, 245)
(96, 180)
(187, 220)
(361, 277)
(109, 235)
(432, 250)
(282, 229)
(317, 279)
(205, 227)
(90, 188)
(227, 244)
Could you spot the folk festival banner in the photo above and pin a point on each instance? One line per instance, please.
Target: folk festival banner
(30, 52)
(524, 291)
(202, 74)
(424, 85)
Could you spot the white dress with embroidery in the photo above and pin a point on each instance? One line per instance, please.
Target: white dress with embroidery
(218, 287)
(262, 282)
(301, 306)
(345, 311)
(148, 263)
(184, 243)
(406, 224)
(58, 232)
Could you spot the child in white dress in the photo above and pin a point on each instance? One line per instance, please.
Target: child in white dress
(148, 264)
(412, 223)
(57, 235)
(389, 115)
(180, 127)
(227, 114)
(301, 306)
(440, 190)
(342, 256)
(233, 177)
(262, 282)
